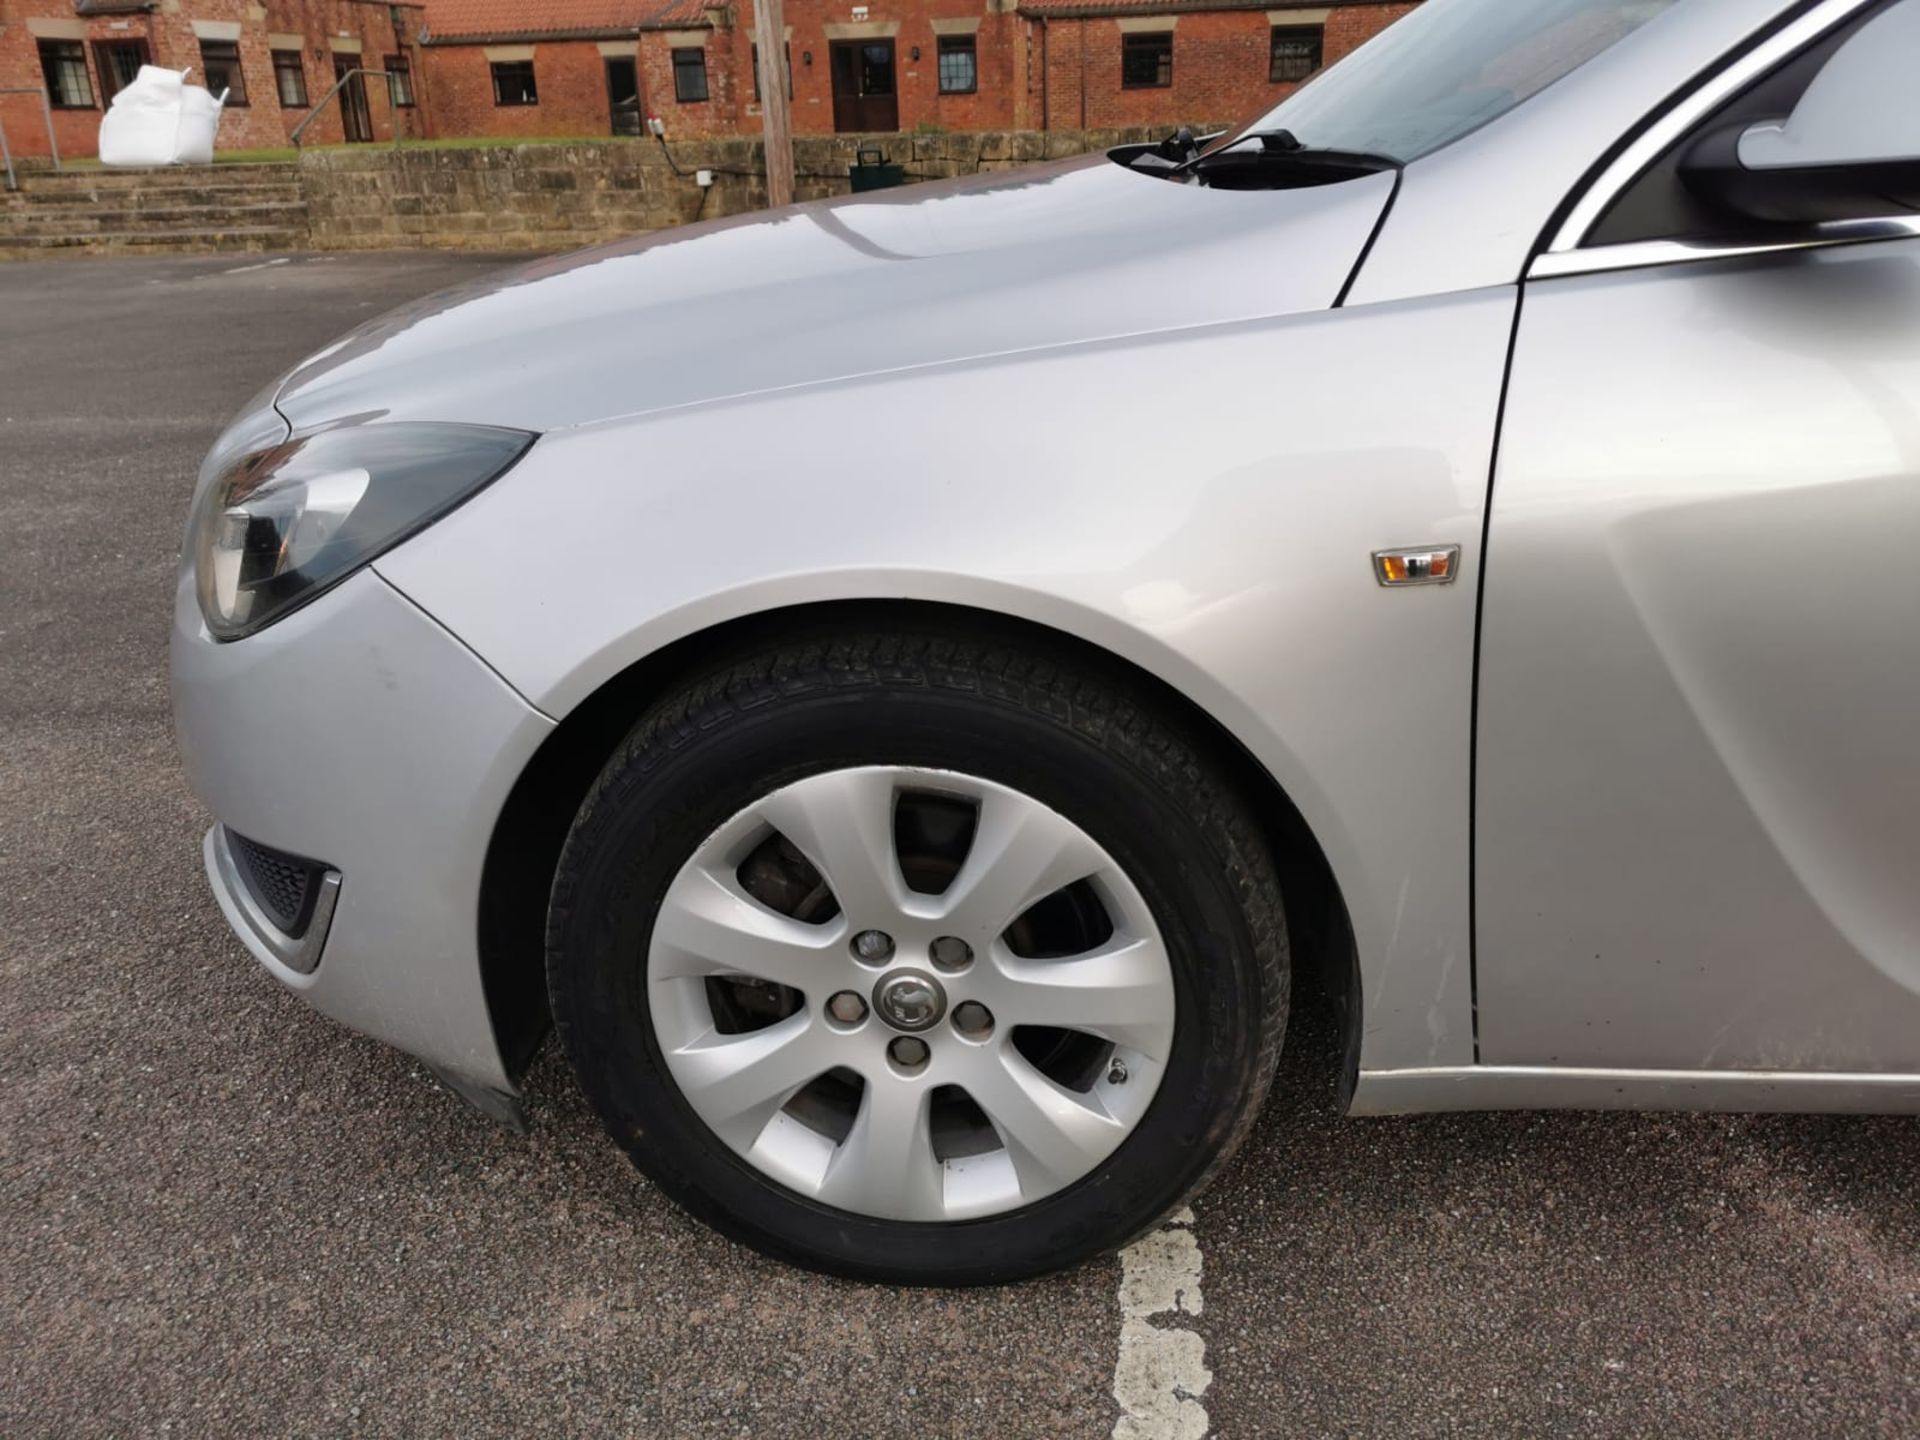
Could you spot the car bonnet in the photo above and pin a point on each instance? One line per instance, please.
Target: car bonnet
(1056, 254)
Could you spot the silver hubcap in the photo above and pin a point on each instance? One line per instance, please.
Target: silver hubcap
(911, 994)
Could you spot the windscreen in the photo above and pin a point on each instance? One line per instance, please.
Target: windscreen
(1449, 68)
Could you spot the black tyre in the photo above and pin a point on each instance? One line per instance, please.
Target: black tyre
(886, 1075)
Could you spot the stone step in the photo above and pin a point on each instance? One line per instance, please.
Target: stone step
(74, 220)
(101, 175)
(245, 240)
(161, 197)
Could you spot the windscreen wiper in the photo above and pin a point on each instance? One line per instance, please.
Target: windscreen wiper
(1280, 161)
(1163, 157)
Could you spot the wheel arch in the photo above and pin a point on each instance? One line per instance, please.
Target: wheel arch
(523, 851)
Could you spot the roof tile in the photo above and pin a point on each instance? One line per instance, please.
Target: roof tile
(476, 19)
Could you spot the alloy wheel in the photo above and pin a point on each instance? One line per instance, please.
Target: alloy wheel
(910, 994)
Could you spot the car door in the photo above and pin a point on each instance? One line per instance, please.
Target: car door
(1698, 727)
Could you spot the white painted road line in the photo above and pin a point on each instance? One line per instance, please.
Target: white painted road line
(263, 265)
(1162, 1374)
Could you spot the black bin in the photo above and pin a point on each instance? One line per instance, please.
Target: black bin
(870, 171)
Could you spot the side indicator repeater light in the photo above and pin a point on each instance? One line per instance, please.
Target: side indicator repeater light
(1430, 565)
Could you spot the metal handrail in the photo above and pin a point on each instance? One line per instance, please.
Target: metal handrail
(46, 113)
(338, 86)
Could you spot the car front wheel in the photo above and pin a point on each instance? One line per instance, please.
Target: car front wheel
(916, 958)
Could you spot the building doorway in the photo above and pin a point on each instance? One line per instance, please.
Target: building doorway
(118, 61)
(355, 119)
(623, 95)
(864, 98)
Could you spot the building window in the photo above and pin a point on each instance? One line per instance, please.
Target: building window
(64, 64)
(1146, 61)
(399, 70)
(290, 79)
(1294, 52)
(756, 72)
(690, 75)
(220, 66)
(513, 83)
(118, 62)
(959, 65)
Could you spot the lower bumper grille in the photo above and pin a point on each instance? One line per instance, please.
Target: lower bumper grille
(284, 886)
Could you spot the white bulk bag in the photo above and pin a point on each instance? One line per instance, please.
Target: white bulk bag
(159, 119)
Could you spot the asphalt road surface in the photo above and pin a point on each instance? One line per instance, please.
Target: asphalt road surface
(222, 1215)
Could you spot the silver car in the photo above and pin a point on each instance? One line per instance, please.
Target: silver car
(904, 686)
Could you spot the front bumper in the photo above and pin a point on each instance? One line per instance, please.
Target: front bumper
(360, 732)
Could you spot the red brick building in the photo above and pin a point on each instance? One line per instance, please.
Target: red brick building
(1099, 63)
(595, 67)
(276, 59)
(572, 67)
(586, 67)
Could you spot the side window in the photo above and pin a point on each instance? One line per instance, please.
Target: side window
(1666, 203)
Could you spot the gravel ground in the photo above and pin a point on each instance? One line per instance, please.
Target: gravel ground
(225, 1215)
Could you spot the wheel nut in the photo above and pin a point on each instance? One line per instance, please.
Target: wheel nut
(951, 953)
(873, 946)
(847, 1007)
(908, 1052)
(973, 1020)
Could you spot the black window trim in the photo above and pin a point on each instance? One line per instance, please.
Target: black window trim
(1570, 232)
(1594, 234)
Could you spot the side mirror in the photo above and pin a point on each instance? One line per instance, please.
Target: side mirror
(1849, 151)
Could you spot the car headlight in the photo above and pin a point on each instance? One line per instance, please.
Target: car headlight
(280, 526)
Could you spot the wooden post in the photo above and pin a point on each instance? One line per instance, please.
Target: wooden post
(776, 115)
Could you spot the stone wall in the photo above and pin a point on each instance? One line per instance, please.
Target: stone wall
(559, 196)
